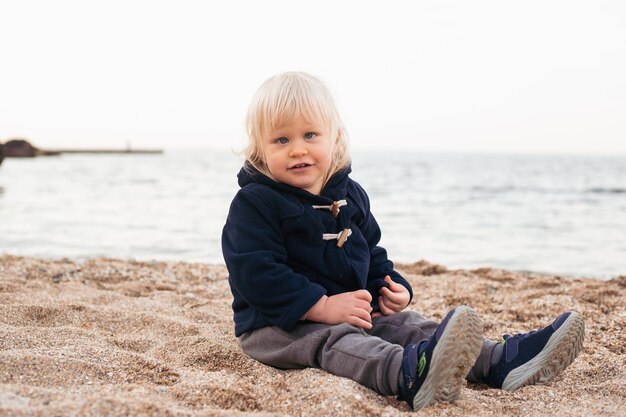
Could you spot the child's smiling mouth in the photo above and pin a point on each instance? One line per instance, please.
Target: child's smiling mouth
(299, 166)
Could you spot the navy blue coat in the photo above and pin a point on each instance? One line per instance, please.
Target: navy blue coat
(279, 266)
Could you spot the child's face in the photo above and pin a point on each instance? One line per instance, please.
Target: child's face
(299, 154)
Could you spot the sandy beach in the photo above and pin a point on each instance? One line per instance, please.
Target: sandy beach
(115, 337)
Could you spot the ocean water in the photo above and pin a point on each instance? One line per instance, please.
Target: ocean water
(557, 214)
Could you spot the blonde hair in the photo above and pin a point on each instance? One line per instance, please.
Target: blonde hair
(283, 98)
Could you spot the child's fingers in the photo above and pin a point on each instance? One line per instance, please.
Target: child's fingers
(394, 286)
(363, 295)
(383, 307)
(363, 305)
(394, 297)
(360, 323)
(391, 282)
(361, 315)
(386, 292)
(395, 306)
(364, 324)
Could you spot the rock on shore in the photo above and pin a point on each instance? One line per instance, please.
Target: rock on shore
(114, 337)
(19, 148)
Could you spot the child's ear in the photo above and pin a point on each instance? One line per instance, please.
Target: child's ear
(339, 133)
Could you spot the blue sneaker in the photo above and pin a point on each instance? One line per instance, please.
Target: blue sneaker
(435, 368)
(538, 356)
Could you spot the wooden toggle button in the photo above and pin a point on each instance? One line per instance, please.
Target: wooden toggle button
(343, 236)
(335, 209)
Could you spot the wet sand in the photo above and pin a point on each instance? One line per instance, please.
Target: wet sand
(114, 337)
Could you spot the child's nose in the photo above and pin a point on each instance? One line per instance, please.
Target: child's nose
(297, 151)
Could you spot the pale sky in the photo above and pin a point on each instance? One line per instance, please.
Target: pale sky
(482, 76)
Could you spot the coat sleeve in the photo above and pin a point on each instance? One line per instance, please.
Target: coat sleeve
(380, 265)
(254, 252)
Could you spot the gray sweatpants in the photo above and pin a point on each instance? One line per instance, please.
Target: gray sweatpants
(370, 357)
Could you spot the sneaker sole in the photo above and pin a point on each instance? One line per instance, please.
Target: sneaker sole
(455, 354)
(560, 351)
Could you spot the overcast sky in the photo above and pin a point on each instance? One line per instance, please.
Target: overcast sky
(497, 76)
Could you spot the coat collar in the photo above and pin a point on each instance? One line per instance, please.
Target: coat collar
(335, 188)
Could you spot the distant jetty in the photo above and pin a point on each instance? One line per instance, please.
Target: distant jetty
(127, 150)
(21, 148)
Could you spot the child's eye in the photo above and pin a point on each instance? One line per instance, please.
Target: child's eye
(310, 135)
(282, 140)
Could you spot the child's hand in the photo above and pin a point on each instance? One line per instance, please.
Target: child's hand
(349, 307)
(393, 299)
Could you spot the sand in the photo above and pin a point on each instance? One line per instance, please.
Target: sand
(113, 337)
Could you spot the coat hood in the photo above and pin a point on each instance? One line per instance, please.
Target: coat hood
(335, 188)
